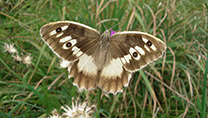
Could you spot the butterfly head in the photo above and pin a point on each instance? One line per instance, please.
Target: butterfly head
(108, 34)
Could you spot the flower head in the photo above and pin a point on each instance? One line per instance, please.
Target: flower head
(27, 59)
(78, 110)
(17, 58)
(55, 114)
(10, 48)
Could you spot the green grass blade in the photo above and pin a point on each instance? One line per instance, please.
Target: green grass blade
(139, 18)
(148, 85)
(204, 94)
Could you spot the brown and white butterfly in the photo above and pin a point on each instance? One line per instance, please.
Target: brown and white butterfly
(101, 59)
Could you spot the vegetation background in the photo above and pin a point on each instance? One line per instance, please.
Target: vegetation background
(173, 86)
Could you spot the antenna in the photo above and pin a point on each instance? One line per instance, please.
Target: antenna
(106, 20)
(101, 23)
(117, 25)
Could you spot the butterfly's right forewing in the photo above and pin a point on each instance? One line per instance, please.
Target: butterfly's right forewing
(69, 40)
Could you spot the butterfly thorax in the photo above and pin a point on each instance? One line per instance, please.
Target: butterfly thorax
(105, 35)
(103, 44)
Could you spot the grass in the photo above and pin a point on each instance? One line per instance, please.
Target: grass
(174, 86)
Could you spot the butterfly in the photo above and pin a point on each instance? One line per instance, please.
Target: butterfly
(100, 60)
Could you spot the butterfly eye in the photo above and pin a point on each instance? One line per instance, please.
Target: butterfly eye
(149, 43)
(135, 54)
(68, 44)
(58, 30)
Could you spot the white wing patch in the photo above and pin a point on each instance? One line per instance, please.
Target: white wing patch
(114, 69)
(129, 78)
(144, 39)
(140, 50)
(146, 48)
(87, 65)
(58, 35)
(69, 70)
(67, 38)
(73, 42)
(153, 47)
(64, 63)
(138, 57)
(62, 29)
(123, 60)
(75, 50)
(127, 58)
(53, 32)
(79, 53)
(132, 50)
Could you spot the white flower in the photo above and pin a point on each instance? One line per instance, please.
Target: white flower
(159, 4)
(78, 110)
(17, 58)
(55, 114)
(10, 48)
(27, 59)
(64, 63)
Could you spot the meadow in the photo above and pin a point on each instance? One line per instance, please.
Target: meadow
(173, 86)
